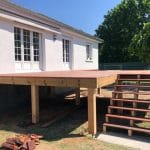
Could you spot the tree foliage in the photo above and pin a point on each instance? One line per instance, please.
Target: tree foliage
(119, 27)
(140, 44)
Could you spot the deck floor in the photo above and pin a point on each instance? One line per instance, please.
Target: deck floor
(75, 73)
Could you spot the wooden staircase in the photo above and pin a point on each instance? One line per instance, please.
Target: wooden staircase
(130, 103)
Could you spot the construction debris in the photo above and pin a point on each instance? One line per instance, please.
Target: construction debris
(22, 142)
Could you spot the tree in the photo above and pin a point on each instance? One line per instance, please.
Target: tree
(119, 27)
(140, 44)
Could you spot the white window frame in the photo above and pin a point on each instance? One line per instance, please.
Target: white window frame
(66, 44)
(17, 44)
(36, 46)
(89, 52)
(31, 55)
(27, 45)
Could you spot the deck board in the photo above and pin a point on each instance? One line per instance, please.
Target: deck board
(76, 78)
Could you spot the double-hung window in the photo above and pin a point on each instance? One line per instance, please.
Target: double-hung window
(27, 45)
(89, 52)
(66, 50)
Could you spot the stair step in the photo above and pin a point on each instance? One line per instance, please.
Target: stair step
(128, 118)
(121, 79)
(130, 109)
(130, 92)
(132, 100)
(135, 86)
(127, 127)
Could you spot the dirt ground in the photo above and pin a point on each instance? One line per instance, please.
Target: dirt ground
(68, 133)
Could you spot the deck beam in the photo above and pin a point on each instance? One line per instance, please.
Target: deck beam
(92, 126)
(35, 103)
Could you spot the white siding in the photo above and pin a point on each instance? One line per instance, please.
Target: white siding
(6, 48)
(79, 50)
(53, 53)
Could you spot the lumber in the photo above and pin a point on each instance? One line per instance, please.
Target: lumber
(92, 111)
(35, 103)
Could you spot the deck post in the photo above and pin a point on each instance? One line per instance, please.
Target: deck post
(35, 103)
(92, 123)
(99, 90)
(77, 99)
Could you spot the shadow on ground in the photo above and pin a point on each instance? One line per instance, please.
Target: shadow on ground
(72, 125)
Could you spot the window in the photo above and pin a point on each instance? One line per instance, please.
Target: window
(66, 50)
(88, 52)
(27, 45)
(36, 46)
(26, 42)
(17, 37)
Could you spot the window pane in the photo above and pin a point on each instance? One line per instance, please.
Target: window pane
(17, 42)
(26, 41)
(36, 46)
(66, 50)
(88, 52)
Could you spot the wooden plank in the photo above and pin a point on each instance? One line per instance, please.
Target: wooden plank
(92, 111)
(132, 100)
(35, 103)
(130, 109)
(126, 127)
(104, 81)
(120, 95)
(67, 82)
(128, 118)
(77, 99)
(48, 81)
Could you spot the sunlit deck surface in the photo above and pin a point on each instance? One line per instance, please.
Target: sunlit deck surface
(75, 73)
(63, 74)
(77, 78)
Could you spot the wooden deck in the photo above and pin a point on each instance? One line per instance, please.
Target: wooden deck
(92, 80)
(87, 79)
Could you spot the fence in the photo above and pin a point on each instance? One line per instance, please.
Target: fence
(124, 66)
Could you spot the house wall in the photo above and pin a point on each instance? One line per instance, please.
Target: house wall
(54, 53)
(51, 53)
(6, 47)
(79, 51)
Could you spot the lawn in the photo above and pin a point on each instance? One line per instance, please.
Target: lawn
(69, 133)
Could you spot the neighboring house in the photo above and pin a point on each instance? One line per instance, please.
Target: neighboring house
(30, 41)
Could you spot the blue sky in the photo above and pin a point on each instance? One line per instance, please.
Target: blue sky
(82, 14)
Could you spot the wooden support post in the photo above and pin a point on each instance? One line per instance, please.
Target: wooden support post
(77, 99)
(35, 103)
(131, 123)
(104, 129)
(52, 91)
(136, 96)
(107, 119)
(92, 123)
(111, 102)
(99, 90)
(109, 110)
(120, 95)
(129, 132)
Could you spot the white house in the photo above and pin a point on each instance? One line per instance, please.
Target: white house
(31, 42)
